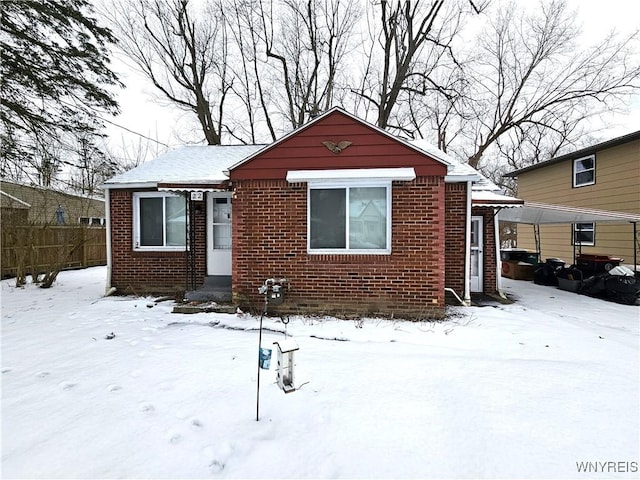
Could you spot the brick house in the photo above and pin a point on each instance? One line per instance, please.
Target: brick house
(355, 219)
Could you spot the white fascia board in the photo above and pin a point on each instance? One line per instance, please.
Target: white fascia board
(117, 186)
(461, 178)
(404, 174)
(15, 199)
(189, 189)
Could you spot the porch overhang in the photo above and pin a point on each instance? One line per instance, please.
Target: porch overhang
(193, 187)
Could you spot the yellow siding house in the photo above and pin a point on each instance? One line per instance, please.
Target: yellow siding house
(605, 176)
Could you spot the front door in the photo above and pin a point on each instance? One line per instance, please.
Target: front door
(476, 254)
(219, 233)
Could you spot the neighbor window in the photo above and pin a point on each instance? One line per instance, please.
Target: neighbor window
(584, 171)
(159, 221)
(93, 221)
(355, 219)
(584, 234)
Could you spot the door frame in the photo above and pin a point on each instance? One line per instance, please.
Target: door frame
(210, 256)
(477, 282)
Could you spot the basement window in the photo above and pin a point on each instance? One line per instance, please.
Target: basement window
(159, 221)
(584, 171)
(584, 234)
(353, 218)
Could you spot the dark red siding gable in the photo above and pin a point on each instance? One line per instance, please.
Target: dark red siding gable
(304, 150)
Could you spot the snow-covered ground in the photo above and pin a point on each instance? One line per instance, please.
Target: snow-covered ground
(527, 390)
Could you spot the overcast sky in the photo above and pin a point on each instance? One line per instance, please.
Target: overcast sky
(143, 113)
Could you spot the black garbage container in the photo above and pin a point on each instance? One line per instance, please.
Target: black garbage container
(555, 262)
(545, 273)
(519, 255)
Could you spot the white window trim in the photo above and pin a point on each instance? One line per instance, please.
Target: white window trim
(574, 230)
(136, 224)
(345, 184)
(575, 173)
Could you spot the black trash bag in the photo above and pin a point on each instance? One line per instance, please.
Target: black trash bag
(622, 289)
(545, 274)
(595, 286)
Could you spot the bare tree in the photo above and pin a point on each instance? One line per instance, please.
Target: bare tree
(533, 87)
(412, 40)
(182, 51)
(297, 50)
(440, 114)
(92, 167)
(249, 87)
(129, 154)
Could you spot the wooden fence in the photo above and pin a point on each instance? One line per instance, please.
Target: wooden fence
(29, 249)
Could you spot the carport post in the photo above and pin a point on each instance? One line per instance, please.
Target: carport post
(635, 247)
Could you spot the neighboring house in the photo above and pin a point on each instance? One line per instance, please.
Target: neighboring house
(354, 218)
(25, 204)
(605, 177)
(43, 228)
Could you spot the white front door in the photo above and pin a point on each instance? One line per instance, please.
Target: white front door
(219, 233)
(476, 254)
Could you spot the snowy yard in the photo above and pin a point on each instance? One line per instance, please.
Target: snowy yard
(527, 390)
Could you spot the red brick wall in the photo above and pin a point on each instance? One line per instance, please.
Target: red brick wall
(456, 228)
(149, 272)
(270, 240)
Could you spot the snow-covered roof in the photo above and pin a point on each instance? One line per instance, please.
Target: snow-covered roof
(483, 191)
(191, 164)
(209, 165)
(454, 166)
(489, 198)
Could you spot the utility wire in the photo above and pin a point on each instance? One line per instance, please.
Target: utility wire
(134, 132)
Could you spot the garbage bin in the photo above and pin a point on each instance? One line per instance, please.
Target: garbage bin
(570, 279)
(555, 262)
(591, 264)
(519, 255)
(545, 273)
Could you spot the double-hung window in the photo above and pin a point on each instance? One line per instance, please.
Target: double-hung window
(584, 171)
(159, 221)
(349, 218)
(584, 234)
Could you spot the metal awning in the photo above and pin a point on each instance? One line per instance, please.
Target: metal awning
(535, 213)
(187, 188)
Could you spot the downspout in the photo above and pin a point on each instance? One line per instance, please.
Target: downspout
(108, 290)
(496, 234)
(467, 249)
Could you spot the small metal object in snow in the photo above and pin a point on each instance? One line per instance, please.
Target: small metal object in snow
(285, 366)
(265, 358)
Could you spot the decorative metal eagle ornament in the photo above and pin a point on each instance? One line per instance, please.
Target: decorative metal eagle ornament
(337, 147)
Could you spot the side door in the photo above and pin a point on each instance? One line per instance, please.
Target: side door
(219, 233)
(477, 260)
